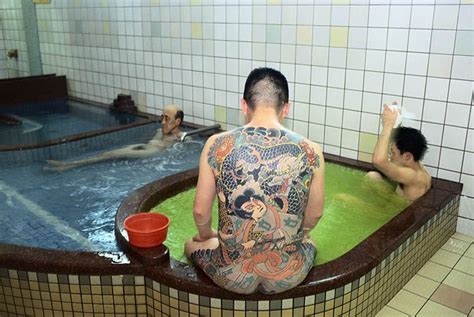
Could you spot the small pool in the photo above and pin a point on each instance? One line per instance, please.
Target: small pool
(48, 121)
(354, 208)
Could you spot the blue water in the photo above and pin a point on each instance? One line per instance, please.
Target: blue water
(75, 209)
(56, 120)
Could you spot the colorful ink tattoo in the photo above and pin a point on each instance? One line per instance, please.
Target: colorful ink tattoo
(263, 181)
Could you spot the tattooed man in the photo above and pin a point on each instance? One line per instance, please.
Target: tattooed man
(269, 182)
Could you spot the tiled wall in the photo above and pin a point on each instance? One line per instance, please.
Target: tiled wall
(40, 294)
(343, 60)
(12, 37)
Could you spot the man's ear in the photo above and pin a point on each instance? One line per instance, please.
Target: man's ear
(285, 110)
(179, 120)
(407, 156)
(244, 106)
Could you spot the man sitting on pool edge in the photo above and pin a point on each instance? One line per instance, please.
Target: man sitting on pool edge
(269, 182)
(407, 148)
(169, 133)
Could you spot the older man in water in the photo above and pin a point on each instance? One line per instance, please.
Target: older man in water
(269, 182)
(170, 132)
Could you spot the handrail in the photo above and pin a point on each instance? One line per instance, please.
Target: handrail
(184, 135)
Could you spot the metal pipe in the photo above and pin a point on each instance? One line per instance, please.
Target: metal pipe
(184, 135)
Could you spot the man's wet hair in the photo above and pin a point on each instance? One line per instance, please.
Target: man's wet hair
(268, 86)
(410, 140)
(179, 115)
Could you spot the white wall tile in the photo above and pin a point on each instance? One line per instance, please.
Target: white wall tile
(302, 93)
(465, 21)
(445, 16)
(451, 159)
(375, 60)
(434, 111)
(393, 84)
(376, 38)
(419, 40)
(274, 14)
(335, 97)
(353, 100)
(303, 54)
(458, 114)
(356, 59)
(454, 137)
(320, 56)
(400, 16)
(468, 163)
(468, 181)
(357, 37)
(421, 17)
(336, 77)
(359, 15)
(288, 14)
(432, 156)
(316, 132)
(350, 139)
(301, 111)
(465, 226)
(460, 91)
(319, 75)
(332, 136)
(442, 41)
(301, 128)
(373, 81)
(337, 57)
(397, 39)
(417, 64)
(470, 140)
(339, 15)
(463, 67)
(318, 95)
(322, 15)
(414, 86)
(288, 34)
(448, 175)
(370, 123)
(351, 120)
(437, 88)
(321, 35)
(440, 65)
(334, 117)
(378, 16)
(372, 102)
(354, 79)
(395, 62)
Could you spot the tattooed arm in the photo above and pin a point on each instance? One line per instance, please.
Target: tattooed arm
(314, 208)
(205, 194)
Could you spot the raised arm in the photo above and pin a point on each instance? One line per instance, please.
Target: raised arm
(205, 194)
(314, 208)
(380, 157)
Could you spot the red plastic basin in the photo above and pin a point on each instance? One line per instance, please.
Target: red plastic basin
(147, 229)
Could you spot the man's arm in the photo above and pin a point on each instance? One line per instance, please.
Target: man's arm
(380, 158)
(205, 194)
(314, 208)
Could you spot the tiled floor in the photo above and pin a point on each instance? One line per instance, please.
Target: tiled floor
(443, 287)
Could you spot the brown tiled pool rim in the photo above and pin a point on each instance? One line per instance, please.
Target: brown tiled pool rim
(352, 265)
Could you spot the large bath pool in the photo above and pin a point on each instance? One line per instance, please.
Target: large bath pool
(75, 209)
(354, 208)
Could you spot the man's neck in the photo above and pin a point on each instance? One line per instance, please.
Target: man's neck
(264, 116)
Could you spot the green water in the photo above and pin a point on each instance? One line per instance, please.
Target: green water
(354, 207)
